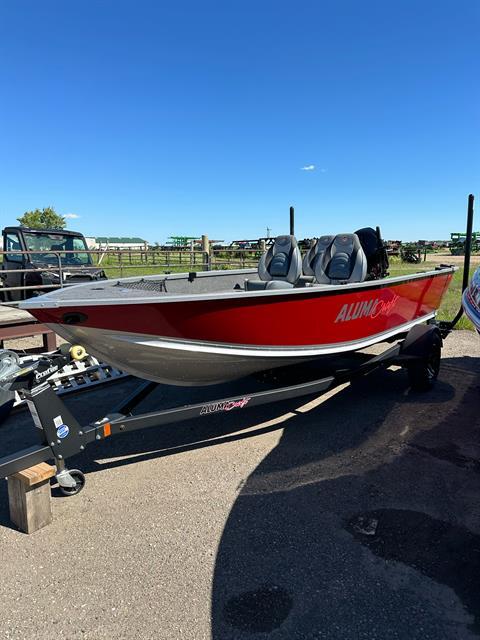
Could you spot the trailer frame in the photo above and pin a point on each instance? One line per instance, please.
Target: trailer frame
(62, 436)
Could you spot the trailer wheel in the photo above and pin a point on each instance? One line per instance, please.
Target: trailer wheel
(79, 478)
(423, 373)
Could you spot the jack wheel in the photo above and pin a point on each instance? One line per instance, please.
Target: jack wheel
(79, 478)
(423, 373)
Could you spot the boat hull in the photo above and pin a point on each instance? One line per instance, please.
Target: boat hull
(210, 339)
(187, 363)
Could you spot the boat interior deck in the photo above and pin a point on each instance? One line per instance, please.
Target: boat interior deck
(156, 286)
(181, 285)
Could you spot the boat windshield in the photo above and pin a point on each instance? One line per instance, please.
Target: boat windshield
(49, 245)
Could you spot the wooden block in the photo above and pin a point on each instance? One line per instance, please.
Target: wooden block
(35, 475)
(29, 497)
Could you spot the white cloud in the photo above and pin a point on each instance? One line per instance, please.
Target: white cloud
(308, 167)
(71, 216)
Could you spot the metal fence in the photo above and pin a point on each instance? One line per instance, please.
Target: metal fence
(63, 269)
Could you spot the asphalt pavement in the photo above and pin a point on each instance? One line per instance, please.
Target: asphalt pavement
(353, 515)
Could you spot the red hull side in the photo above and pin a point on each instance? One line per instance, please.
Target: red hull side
(310, 318)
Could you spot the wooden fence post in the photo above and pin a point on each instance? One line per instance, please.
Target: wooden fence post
(206, 253)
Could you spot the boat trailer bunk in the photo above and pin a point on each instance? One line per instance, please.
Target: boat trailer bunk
(62, 436)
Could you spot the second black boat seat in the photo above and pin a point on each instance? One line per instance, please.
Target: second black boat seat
(318, 252)
(340, 261)
(280, 267)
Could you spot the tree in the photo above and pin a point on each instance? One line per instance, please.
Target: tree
(46, 218)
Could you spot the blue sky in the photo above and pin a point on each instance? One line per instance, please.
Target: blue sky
(162, 118)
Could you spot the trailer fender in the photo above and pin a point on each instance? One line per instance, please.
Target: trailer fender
(419, 341)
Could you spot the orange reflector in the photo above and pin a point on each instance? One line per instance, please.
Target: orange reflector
(107, 430)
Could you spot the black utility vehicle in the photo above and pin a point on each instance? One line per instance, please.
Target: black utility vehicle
(57, 256)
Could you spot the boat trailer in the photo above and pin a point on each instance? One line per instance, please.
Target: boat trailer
(62, 436)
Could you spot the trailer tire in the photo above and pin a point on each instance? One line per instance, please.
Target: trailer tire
(423, 373)
(79, 478)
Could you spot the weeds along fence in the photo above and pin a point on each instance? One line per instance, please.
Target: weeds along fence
(27, 273)
(124, 263)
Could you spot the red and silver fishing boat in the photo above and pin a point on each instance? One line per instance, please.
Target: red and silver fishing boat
(209, 327)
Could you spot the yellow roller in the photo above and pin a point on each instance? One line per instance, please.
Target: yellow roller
(77, 352)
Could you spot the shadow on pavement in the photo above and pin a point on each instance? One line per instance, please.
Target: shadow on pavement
(329, 537)
(363, 522)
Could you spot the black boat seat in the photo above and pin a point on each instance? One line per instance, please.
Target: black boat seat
(342, 262)
(318, 252)
(280, 267)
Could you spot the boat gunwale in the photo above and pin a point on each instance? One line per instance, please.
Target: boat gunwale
(46, 302)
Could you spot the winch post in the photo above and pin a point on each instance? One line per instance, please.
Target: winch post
(60, 430)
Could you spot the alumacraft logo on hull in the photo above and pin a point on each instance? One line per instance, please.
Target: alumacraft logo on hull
(228, 405)
(366, 309)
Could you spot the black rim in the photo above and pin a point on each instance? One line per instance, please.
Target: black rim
(79, 484)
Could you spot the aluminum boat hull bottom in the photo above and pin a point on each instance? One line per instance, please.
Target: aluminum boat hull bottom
(193, 363)
(167, 361)
(208, 329)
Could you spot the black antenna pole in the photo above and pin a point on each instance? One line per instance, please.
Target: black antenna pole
(292, 221)
(468, 242)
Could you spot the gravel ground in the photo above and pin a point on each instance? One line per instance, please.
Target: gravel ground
(448, 258)
(356, 515)
(11, 314)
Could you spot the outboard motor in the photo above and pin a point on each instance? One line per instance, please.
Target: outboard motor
(375, 252)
